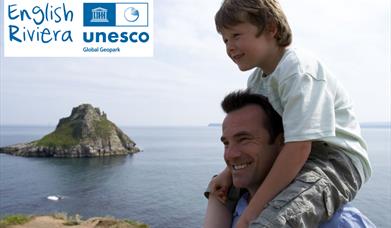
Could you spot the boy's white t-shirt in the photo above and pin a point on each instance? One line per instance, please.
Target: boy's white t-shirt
(313, 105)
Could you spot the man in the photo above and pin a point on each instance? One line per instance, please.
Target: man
(253, 137)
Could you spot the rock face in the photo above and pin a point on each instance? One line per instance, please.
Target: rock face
(85, 133)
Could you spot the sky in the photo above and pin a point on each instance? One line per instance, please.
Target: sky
(190, 73)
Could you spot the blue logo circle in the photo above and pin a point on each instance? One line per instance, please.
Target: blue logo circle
(131, 14)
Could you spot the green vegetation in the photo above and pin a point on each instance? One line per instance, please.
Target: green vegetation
(69, 134)
(60, 215)
(110, 222)
(106, 221)
(63, 136)
(103, 128)
(69, 220)
(136, 223)
(14, 220)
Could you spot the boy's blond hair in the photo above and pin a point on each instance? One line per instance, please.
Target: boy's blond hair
(261, 13)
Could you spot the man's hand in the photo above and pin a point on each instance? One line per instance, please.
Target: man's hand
(221, 184)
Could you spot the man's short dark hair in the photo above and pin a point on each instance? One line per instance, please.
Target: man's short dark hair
(239, 99)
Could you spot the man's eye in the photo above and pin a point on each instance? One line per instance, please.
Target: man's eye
(225, 40)
(243, 140)
(236, 36)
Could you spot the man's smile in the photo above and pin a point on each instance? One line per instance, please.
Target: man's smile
(240, 166)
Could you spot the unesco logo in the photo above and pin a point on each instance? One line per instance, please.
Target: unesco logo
(115, 14)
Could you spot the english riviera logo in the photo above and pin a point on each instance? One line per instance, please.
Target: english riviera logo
(59, 28)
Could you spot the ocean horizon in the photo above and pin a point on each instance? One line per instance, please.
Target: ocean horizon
(161, 186)
(378, 124)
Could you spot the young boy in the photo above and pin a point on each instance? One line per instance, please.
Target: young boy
(322, 135)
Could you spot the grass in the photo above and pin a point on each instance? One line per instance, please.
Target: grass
(73, 220)
(136, 223)
(60, 215)
(69, 134)
(69, 220)
(14, 220)
(62, 137)
(76, 220)
(102, 128)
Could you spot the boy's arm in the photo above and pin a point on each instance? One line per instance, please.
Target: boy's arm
(217, 214)
(220, 184)
(285, 168)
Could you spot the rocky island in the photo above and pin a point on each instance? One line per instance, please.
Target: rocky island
(85, 133)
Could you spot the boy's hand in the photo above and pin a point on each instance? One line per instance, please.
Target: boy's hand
(221, 184)
(242, 223)
(247, 216)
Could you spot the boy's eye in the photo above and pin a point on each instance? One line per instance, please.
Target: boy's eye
(225, 40)
(236, 35)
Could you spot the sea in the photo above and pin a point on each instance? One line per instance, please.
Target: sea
(162, 186)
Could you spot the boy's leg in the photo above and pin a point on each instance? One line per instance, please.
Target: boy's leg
(327, 181)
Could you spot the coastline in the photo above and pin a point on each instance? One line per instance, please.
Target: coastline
(60, 220)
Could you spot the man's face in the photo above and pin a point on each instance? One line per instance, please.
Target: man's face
(247, 152)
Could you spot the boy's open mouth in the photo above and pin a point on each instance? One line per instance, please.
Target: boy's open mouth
(237, 57)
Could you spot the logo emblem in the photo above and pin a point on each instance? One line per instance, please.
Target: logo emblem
(131, 14)
(99, 15)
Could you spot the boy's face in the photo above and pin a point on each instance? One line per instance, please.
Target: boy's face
(247, 50)
(248, 154)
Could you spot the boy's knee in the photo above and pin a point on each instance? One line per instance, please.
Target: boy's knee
(301, 204)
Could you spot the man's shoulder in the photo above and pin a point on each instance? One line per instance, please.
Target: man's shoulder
(348, 217)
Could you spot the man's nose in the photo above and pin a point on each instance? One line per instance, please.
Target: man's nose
(231, 152)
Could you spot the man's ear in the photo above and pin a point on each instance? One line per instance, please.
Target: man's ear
(279, 140)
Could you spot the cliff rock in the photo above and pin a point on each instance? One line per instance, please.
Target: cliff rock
(85, 133)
